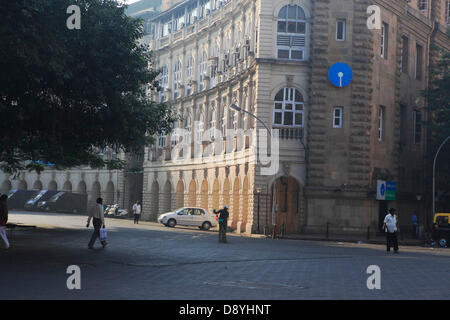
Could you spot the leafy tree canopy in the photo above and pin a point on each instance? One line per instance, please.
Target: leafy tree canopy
(65, 93)
(438, 97)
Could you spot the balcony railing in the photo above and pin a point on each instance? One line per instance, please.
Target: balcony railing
(287, 133)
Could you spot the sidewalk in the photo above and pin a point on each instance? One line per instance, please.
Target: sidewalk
(381, 239)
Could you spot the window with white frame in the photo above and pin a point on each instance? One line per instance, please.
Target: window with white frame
(288, 108)
(384, 40)
(417, 127)
(212, 124)
(337, 117)
(176, 79)
(380, 123)
(174, 136)
(340, 29)
(422, 5)
(200, 129)
(187, 130)
(189, 74)
(162, 140)
(164, 80)
(291, 33)
(447, 11)
(202, 70)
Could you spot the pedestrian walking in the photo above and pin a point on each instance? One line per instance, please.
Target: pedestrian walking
(137, 212)
(223, 222)
(4, 218)
(414, 222)
(391, 228)
(97, 214)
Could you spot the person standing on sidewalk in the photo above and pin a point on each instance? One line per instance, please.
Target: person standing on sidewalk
(223, 222)
(137, 212)
(4, 219)
(414, 225)
(390, 225)
(97, 214)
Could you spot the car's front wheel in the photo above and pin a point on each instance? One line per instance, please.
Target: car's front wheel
(171, 223)
(443, 242)
(206, 225)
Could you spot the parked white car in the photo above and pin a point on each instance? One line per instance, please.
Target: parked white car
(189, 216)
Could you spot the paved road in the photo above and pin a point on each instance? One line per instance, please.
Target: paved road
(148, 261)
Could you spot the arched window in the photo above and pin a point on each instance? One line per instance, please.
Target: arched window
(202, 69)
(212, 124)
(189, 74)
(164, 80)
(176, 79)
(288, 108)
(187, 130)
(291, 33)
(199, 130)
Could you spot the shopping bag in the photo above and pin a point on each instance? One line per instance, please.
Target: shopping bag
(103, 234)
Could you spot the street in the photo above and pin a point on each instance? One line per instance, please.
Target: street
(150, 261)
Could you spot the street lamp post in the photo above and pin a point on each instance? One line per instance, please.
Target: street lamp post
(434, 171)
(239, 109)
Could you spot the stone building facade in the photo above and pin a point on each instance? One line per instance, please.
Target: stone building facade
(272, 58)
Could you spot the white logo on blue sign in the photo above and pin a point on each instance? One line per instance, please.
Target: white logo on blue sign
(340, 74)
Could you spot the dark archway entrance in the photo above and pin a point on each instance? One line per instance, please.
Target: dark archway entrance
(288, 204)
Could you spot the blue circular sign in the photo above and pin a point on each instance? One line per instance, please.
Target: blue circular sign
(340, 74)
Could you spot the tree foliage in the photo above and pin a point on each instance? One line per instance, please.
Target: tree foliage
(438, 97)
(65, 93)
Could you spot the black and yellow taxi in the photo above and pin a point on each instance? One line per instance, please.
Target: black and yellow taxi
(441, 229)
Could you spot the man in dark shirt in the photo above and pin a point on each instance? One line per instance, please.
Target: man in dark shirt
(223, 220)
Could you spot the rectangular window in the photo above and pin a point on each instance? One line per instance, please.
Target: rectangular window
(422, 5)
(405, 54)
(380, 123)
(384, 40)
(340, 30)
(447, 11)
(417, 127)
(162, 141)
(419, 62)
(337, 117)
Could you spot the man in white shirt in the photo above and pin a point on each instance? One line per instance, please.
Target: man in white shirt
(390, 225)
(97, 214)
(137, 212)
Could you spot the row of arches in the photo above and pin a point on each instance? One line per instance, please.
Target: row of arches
(164, 199)
(95, 191)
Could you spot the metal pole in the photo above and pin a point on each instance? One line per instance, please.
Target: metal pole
(434, 172)
(259, 197)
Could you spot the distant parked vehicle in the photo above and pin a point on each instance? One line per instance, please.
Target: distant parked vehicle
(65, 202)
(441, 229)
(17, 198)
(43, 195)
(189, 216)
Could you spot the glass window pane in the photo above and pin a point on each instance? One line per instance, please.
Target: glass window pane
(299, 119)
(283, 54)
(298, 96)
(288, 118)
(278, 118)
(298, 55)
(299, 107)
(278, 105)
(292, 12)
(283, 13)
(279, 96)
(288, 106)
(291, 27)
(300, 13)
(281, 26)
(301, 27)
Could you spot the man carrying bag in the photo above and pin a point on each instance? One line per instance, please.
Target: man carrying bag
(390, 226)
(97, 214)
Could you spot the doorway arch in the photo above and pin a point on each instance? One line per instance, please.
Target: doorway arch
(288, 203)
